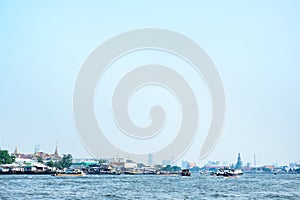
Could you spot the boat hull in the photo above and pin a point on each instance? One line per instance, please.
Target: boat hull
(68, 175)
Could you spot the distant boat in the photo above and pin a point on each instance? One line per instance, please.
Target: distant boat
(70, 172)
(228, 172)
(185, 172)
(134, 172)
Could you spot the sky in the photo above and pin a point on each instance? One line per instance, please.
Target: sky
(255, 47)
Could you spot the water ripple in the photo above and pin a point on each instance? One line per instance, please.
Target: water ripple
(149, 187)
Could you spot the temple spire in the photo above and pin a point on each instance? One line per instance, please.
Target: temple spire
(16, 150)
(239, 163)
(56, 154)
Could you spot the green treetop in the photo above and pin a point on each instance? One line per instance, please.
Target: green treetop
(5, 158)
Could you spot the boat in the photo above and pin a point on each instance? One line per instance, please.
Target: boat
(70, 172)
(185, 172)
(226, 172)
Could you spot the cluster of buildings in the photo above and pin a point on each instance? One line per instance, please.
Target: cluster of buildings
(38, 163)
(292, 168)
(116, 166)
(27, 163)
(37, 154)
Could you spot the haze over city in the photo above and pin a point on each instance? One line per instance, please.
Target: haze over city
(256, 55)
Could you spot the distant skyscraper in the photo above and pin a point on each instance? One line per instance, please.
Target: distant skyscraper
(166, 162)
(184, 164)
(150, 159)
(239, 163)
(36, 149)
(225, 163)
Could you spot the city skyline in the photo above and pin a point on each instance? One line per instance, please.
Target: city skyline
(151, 159)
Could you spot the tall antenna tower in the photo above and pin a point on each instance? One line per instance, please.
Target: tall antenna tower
(254, 160)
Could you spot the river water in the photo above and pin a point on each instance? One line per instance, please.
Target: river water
(248, 186)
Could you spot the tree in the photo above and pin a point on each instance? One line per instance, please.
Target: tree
(195, 169)
(102, 161)
(167, 168)
(50, 163)
(170, 168)
(65, 162)
(40, 159)
(140, 165)
(176, 168)
(5, 158)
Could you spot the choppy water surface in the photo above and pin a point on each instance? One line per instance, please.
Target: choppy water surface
(149, 187)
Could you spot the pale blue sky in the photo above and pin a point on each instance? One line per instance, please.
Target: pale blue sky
(254, 45)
